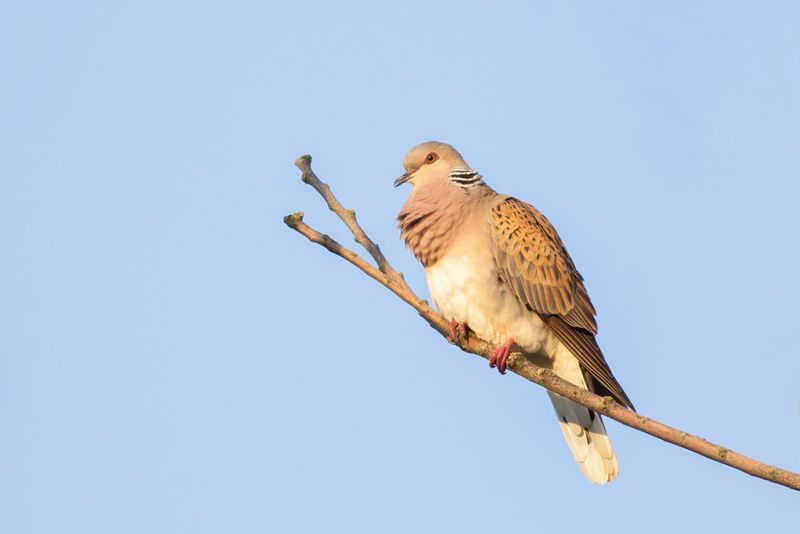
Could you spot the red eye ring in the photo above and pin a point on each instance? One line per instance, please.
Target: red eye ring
(430, 158)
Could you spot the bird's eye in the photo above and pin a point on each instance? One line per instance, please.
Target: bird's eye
(430, 158)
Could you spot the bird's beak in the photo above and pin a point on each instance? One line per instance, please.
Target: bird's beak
(403, 179)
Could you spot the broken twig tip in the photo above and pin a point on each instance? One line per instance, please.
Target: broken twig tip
(303, 162)
(294, 218)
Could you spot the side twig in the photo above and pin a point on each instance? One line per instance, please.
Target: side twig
(385, 274)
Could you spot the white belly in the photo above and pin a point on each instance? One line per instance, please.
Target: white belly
(465, 288)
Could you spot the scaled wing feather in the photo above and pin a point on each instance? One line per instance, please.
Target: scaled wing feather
(534, 263)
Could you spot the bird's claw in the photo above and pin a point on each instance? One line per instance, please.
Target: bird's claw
(457, 332)
(499, 357)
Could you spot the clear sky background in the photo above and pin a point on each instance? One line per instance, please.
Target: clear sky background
(174, 359)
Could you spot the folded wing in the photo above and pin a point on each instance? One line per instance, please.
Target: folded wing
(537, 268)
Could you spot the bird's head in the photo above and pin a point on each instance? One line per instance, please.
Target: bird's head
(430, 161)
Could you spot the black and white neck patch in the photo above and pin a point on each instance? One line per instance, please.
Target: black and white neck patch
(465, 177)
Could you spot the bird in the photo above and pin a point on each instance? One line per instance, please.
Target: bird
(496, 267)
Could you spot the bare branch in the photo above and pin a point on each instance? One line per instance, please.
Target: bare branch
(518, 363)
(347, 216)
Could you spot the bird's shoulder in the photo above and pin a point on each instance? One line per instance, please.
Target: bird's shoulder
(519, 226)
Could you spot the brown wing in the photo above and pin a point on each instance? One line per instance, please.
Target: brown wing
(534, 263)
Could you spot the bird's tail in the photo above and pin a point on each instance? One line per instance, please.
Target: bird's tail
(587, 439)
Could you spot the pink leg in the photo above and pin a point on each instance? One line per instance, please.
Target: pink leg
(499, 357)
(457, 331)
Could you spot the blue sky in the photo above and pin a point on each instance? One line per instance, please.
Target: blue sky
(173, 359)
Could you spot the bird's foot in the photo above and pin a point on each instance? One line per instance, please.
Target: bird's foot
(499, 357)
(458, 332)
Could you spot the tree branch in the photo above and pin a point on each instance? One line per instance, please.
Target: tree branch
(385, 274)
